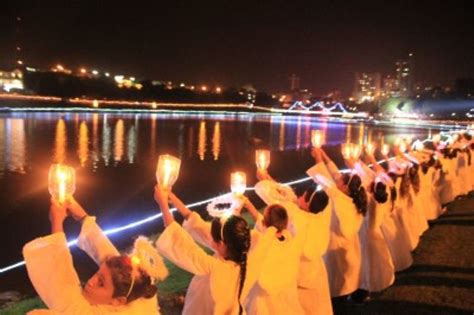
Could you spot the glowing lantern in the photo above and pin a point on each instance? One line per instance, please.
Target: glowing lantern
(356, 151)
(238, 182)
(385, 149)
(167, 170)
(317, 138)
(61, 182)
(370, 148)
(436, 138)
(455, 137)
(262, 159)
(346, 150)
(95, 103)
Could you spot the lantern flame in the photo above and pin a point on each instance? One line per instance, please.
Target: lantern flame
(370, 148)
(238, 182)
(262, 159)
(167, 170)
(317, 138)
(61, 182)
(385, 149)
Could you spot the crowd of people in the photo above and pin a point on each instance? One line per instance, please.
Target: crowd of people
(344, 235)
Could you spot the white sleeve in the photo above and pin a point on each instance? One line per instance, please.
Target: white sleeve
(320, 174)
(199, 229)
(94, 242)
(366, 174)
(50, 269)
(178, 246)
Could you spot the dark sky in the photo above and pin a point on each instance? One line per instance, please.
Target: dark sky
(235, 42)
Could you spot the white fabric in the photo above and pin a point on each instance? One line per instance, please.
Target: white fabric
(50, 268)
(214, 287)
(343, 257)
(312, 231)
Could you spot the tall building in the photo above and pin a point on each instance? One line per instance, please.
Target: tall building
(405, 75)
(367, 87)
(294, 83)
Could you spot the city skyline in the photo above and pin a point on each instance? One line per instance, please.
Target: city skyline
(232, 45)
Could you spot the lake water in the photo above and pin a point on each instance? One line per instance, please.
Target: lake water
(115, 157)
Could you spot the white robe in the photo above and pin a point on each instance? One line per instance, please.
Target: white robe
(343, 257)
(378, 271)
(214, 287)
(275, 291)
(430, 200)
(312, 232)
(49, 265)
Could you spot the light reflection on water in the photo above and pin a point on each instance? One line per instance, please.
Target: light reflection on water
(115, 158)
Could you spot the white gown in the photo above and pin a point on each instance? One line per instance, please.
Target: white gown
(275, 291)
(343, 257)
(214, 287)
(378, 271)
(49, 265)
(428, 186)
(312, 231)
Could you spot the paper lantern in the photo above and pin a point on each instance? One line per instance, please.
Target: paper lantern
(356, 151)
(262, 159)
(317, 138)
(167, 170)
(436, 138)
(238, 182)
(346, 150)
(61, 182)
(402, 147)
(385, 149)
(370, 148)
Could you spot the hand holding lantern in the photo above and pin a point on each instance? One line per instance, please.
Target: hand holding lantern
(238, 183)
(61, 182)
(167, 171)
(262, 159)
(370, 148)
(356, 151)
(346, 150)
(317, 138)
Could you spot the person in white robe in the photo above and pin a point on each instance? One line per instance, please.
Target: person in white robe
(51, 271)
(222, 281)
(310, 215)
(343, 257)
(378, 271)
(275, 291)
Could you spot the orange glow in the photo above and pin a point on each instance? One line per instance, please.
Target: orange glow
(346, 150)
(216, 141)
(135, 260)
(356, 151)
(202, 140)
(385, 149)
(238, 182)
(119, 138)
(83, 149)
(61, 182)
(317, 138)
(262, 159)
(60, 142)
(370, 148)
(167, 170)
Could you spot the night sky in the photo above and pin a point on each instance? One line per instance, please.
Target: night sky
(234, 43)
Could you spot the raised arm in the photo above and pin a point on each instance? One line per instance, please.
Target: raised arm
(161, 198)
(91, 239)
(183, 210)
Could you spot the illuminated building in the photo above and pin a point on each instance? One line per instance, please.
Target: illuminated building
(11, 80)
(367, 87)
(404, 75)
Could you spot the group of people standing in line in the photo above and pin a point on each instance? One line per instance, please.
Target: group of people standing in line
(345, 234)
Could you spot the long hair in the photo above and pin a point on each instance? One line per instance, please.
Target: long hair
(356, 192)
(121, 270)
(236, 236)
(379, 190)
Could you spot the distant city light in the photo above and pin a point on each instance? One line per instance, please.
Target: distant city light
(20, 62)
(95, 72)
(218, 89)
(204, 88)
(83, 70)
(132, 78)
(107, 74)
(182, 85)
(59, 67)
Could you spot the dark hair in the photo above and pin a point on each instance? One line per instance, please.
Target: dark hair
(379, 191)
(275, 215)
(319, 201)
(356, 191)
(414, 177)
(236, 236)
(121, 271)
(468, 152)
